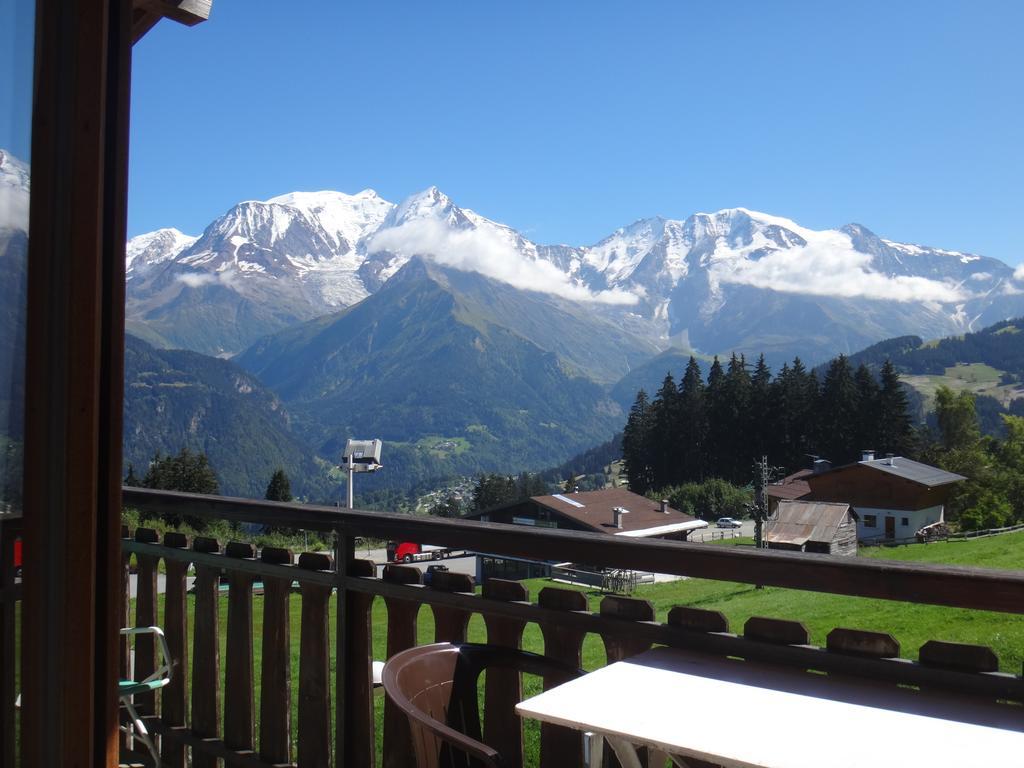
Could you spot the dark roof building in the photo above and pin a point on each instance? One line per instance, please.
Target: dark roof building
(893, 497)
(791, 487)
(614, 511)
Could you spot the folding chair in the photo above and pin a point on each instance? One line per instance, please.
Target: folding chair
(160, 677)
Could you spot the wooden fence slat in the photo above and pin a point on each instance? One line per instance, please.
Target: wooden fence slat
(314, 750)
(503, 687)
(618, 647)
(560, 746)
(860, 642)
(145, 616)
(360, 744)
(778, 631)
(401, 635)
(697, 619)
(239, 697)
(959, 656)
(450, 624)
(206, 653)
(276, 667)
(173, 696)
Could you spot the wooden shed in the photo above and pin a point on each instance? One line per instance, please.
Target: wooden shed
(813, 526)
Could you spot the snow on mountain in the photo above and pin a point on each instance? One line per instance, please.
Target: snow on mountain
(146, 251)
(731, 279)
(14, 192)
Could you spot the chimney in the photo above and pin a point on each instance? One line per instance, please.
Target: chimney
(890, 459)
(617, 513)
(664, 506)
(822, 465)
(868, 455)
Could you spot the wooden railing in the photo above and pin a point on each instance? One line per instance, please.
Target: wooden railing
(222, 721)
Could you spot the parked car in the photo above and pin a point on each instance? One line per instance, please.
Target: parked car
(428, 575)
(728, 522)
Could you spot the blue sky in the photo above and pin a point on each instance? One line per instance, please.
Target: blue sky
(569, 119)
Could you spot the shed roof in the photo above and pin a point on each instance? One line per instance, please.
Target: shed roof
(798, 522)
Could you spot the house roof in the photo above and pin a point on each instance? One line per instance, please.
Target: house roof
(594, 509)
(798, 522)
(792, 486)
(915, 471)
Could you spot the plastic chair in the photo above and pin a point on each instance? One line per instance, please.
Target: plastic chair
(435, 686)
(160, 677)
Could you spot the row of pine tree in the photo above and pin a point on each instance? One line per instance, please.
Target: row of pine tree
(697, 429)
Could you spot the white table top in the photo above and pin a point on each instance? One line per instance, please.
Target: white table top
(741, 713)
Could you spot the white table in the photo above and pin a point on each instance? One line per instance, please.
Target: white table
(739, 713)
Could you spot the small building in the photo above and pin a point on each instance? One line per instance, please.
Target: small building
(825, 527)
(892, 498)
(790, 488)
(613, 511)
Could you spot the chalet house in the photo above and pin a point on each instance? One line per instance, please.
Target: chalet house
(893, 498)
(813, 526)
(790, 488)
(614, 511)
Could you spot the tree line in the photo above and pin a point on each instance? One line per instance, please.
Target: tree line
(716, 427)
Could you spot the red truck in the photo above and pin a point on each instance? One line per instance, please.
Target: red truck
(409, 552)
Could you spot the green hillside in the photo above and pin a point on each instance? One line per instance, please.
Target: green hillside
(176, 399)
(449, 385)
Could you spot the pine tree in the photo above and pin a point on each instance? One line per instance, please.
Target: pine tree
(188, 472)
(716, 445)
(866, 433)
(279, 488)
(837, 413)
(895, 426)
(664, 421)
(734, 422)
(693, 424)
(450, 506)
(636, 445)
(493, 490)
(130, 479)
(761, 426)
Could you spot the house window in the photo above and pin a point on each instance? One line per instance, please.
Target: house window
(870, 521)
(904, 521)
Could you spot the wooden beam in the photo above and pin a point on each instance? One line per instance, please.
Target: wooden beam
(74, 380)
(146, 13)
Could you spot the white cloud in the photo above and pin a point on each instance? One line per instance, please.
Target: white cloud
(199, 279)
(829, 266)
(486, 252)
(13, 206)
(1018, 274)
(981, 276)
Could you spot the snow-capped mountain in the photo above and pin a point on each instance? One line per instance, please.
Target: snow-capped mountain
(14, 192)
(735, 279)
(147, 251)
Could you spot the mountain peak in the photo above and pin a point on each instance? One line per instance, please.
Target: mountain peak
(156, 247)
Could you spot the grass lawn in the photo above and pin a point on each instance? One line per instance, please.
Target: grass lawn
(911, 624)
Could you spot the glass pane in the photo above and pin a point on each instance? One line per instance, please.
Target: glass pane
(17, 18)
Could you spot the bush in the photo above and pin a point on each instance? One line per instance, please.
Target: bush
(708, 500)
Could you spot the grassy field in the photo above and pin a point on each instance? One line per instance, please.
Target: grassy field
(978, 378)
(912, 625)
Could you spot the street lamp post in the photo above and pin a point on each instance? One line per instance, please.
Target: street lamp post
(360, 456)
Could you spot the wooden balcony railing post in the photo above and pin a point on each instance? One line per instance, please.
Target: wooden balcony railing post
(618, 647)
(560, 746)
(275, 670)
(173, 696)
(206, 653)
(401, 635)
(145, 616)
(451, 624)
(314, 668)
(239, 696)
(355, 745)
(503, 688)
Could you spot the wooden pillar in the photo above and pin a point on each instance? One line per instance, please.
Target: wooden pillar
(173, 697)
(276, 664)
(239, 696)
(503, 688)
(401, 635)
(74, 383)
(561, 746)
(314, 668)
(206, 653)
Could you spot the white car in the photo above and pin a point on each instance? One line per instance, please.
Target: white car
(728, 522)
